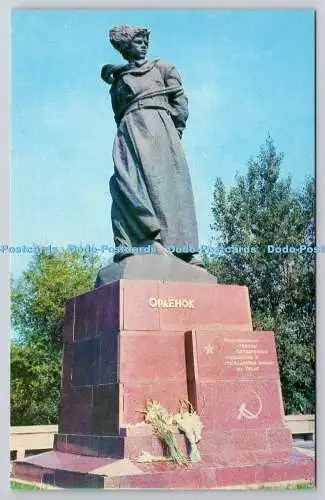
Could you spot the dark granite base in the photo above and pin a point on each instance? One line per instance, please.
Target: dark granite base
(162, 267)
(77, 471)
(129, 444)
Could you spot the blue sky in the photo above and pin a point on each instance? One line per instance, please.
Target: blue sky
(246, 73)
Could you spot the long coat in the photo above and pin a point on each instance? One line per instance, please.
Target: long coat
(151, 186)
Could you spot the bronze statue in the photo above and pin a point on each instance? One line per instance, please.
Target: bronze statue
(151, 187)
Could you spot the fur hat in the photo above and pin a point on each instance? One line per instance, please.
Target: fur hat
(121, 36)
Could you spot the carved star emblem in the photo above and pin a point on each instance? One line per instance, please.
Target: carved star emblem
(208, 349)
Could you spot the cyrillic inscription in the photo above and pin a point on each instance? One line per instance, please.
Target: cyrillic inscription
(171, 303)
(246, 356)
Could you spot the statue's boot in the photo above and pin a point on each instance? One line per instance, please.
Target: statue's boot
(158, 248)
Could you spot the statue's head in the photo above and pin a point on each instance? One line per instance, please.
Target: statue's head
(131, 41)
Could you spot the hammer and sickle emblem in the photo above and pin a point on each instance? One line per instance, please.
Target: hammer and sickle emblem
(244, 413)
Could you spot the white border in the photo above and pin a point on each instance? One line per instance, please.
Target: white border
(5, 8)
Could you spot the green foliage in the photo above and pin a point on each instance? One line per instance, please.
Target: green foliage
(35, 384)
(296, 353)
(38, 297)
(293, 485)
(263, 209)
(16, 485)
(38, 300)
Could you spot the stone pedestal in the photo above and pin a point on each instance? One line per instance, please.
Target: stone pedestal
(125, 343)
(131, 340)
(233, 380)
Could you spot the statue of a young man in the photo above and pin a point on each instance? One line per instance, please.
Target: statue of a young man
(151, 187)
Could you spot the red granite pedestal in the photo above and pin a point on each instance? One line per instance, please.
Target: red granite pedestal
(132, 340)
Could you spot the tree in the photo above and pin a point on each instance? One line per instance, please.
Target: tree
(38, 301)
(260, 212)
(35, 384)
(38, 297)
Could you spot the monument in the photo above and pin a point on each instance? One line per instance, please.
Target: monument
(158, 326)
